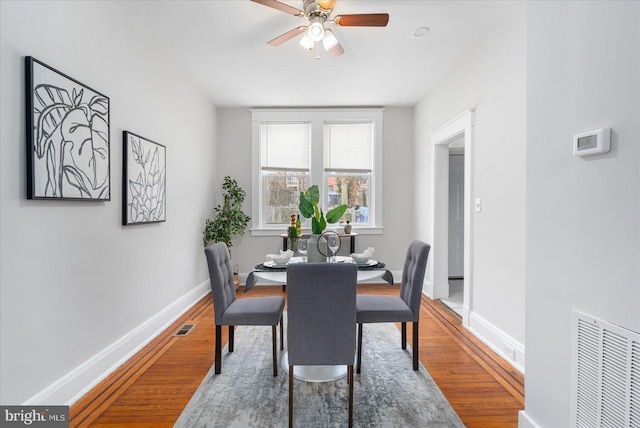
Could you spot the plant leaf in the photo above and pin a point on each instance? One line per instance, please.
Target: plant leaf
(88, 149)
(76, 180)
(313, 194)
(315, 226)
(305, 206)
(336, 214)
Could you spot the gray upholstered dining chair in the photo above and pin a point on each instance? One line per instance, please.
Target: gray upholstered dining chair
(321, 319)
(231, 311)
(403, 308)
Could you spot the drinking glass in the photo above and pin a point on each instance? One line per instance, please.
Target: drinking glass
(302, 248)
(333, 242)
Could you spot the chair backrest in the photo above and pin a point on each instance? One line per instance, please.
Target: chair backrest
(223, 290)
(321, 313)
(415, 264)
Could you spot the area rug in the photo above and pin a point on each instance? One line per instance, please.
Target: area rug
(388, 393)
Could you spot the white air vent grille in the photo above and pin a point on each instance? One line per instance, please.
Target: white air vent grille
(635, 385)
(606, 374)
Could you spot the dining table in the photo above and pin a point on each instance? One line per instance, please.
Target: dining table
(270, 272)
(273, 273)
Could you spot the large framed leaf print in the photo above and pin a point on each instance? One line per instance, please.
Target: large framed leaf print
(144, 180)
(68, 150)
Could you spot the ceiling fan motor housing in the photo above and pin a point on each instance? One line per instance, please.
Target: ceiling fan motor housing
(318, 8)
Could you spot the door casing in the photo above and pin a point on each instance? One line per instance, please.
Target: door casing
(440, 140)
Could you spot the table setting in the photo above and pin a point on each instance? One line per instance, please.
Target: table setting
(275, 266)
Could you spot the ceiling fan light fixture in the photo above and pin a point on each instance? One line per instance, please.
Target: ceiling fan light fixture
(326, 4)
(329, 40)
(316, 50)
(306, 42)
(316, 30)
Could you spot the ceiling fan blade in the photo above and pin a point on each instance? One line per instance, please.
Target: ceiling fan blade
(286, 36)
(362, 20)
(281, 7)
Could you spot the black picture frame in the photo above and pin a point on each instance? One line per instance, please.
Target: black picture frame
(143, 180)
(68, 137)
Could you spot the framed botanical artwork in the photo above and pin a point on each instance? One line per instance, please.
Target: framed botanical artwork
(68, 150)
(143, 181)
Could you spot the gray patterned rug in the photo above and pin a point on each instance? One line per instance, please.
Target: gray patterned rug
(388, 393)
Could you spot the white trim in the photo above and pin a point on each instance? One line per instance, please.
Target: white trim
(427, 288)
(496, 339)
(525, 421)
(73, 385)
(453, 127)
(440, 139)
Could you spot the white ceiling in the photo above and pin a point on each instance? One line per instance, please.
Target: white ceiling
(221, 46)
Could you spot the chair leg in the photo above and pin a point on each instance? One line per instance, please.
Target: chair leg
(350, 378)
(415, 345)
(359, 348)
(281, 334)
(218, 357)
(290, 396)
(231, 336)
(403, 339)
(275, 357)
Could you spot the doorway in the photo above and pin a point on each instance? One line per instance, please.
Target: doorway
(456, 132)
(455, 297)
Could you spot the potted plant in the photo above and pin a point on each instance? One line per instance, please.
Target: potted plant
(309, 209)
(230, 220)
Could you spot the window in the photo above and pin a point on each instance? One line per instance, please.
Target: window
(340, 150)
(348, 168)
(284, 154)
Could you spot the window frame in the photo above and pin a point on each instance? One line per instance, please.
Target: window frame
(317, 119)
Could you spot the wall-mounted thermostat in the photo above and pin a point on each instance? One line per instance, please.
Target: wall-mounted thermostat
(592, 142)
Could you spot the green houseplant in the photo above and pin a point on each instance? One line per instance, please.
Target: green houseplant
(309, 209)
(230, 220)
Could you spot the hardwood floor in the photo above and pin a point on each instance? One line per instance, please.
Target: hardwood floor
(152, 388)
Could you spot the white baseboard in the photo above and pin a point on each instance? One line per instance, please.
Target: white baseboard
(72, 386)
(497, 340)
(524, 421)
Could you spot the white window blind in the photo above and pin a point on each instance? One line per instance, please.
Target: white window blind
(285, 146)
(349, 147)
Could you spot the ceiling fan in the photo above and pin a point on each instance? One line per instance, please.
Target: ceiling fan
(318, 13)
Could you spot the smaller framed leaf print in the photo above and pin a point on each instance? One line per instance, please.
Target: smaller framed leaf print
(144, 180)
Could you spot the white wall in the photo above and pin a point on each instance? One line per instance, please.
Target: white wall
(492, 79)
(73, 280)
(582, 214)
(234, 150)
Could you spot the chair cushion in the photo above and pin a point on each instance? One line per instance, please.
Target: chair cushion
(381, 309)
(254, 311)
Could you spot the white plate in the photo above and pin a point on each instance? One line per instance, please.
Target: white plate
(369, 262)
(271, 263)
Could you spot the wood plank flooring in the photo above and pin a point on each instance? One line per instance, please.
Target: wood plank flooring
(153, 387)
